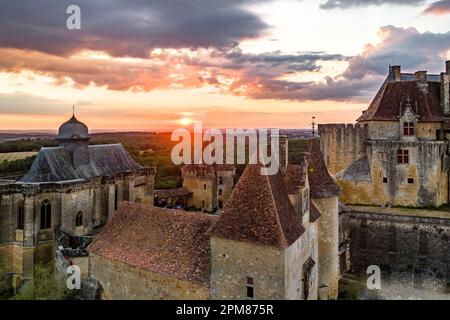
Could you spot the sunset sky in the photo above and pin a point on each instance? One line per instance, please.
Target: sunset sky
(158, 64)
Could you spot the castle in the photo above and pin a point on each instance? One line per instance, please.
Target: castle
(69, 189)
(277, 238)
(391, 166)
(397, 153)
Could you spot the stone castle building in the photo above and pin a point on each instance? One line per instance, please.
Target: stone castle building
(71, 189)
(277, 238)
(390, 164)
(211, 185)
(398, 151)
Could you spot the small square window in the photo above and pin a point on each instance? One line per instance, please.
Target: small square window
(204, 186)
(385, 180)
(410, 180)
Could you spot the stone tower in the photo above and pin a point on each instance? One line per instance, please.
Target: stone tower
(211, 185)
(324, 192)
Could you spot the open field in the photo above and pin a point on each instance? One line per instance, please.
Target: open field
(13, 156)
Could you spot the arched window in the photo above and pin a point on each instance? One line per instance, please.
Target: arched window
(46, 215)
(79, 219)
(20, 216)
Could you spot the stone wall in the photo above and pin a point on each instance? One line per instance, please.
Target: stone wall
(341, 144)
(226, 186)
(410, 247)
(232, 262)
(328, 238)
(421, 182)
(120, 281)
(204, 191)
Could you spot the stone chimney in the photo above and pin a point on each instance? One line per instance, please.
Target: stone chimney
(421, 77)
(445, 88)
(395, 73)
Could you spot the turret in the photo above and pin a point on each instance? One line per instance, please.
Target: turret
(324, 192)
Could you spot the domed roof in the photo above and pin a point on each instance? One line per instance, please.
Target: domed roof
(73, 130)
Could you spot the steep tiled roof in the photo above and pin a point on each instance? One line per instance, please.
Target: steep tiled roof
(393, 94)
(170, 193)
(259, 211)
(160, 240)
(56, 165)
(321, 184)
(294, 178)
(314, 212)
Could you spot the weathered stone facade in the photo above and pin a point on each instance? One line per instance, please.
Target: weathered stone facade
(34, 209)
(125, 282)
(408, 245)
(211, 185)
(398, 152)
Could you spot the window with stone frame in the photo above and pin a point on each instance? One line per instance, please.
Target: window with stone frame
(402, 156)
(408, 128)
(20, 216)
(79, 219)
(250, 289)
(46, 214)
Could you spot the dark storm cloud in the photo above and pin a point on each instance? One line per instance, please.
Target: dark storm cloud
(438, 8)
(126, 28)
(405, 46)
(345, 4)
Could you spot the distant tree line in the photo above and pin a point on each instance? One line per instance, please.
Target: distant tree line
(24, 145)
(12, 169)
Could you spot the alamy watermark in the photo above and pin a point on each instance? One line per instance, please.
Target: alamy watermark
(74, 277)
(73, 21)
(258, 146)
(374, 278)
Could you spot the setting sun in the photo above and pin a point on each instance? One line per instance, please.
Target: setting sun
(185, 121)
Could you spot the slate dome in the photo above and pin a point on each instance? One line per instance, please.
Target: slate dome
(73, 130)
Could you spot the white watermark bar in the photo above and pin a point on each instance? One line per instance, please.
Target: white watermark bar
(263, 147)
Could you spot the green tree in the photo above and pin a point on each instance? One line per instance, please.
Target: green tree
(5, 282)
(45, 285)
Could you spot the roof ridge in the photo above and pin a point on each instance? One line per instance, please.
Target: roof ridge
(277, 217)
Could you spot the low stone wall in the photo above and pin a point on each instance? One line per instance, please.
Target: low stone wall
(121, 281)
(411, 246)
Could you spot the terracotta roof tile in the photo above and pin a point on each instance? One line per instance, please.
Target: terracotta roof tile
(392, 94)
(294, 178)
(160, 240)
(259, 211)
(321, 184)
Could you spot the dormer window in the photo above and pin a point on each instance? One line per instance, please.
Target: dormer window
(408, 128)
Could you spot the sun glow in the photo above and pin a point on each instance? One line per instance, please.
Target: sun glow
(185, 121)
